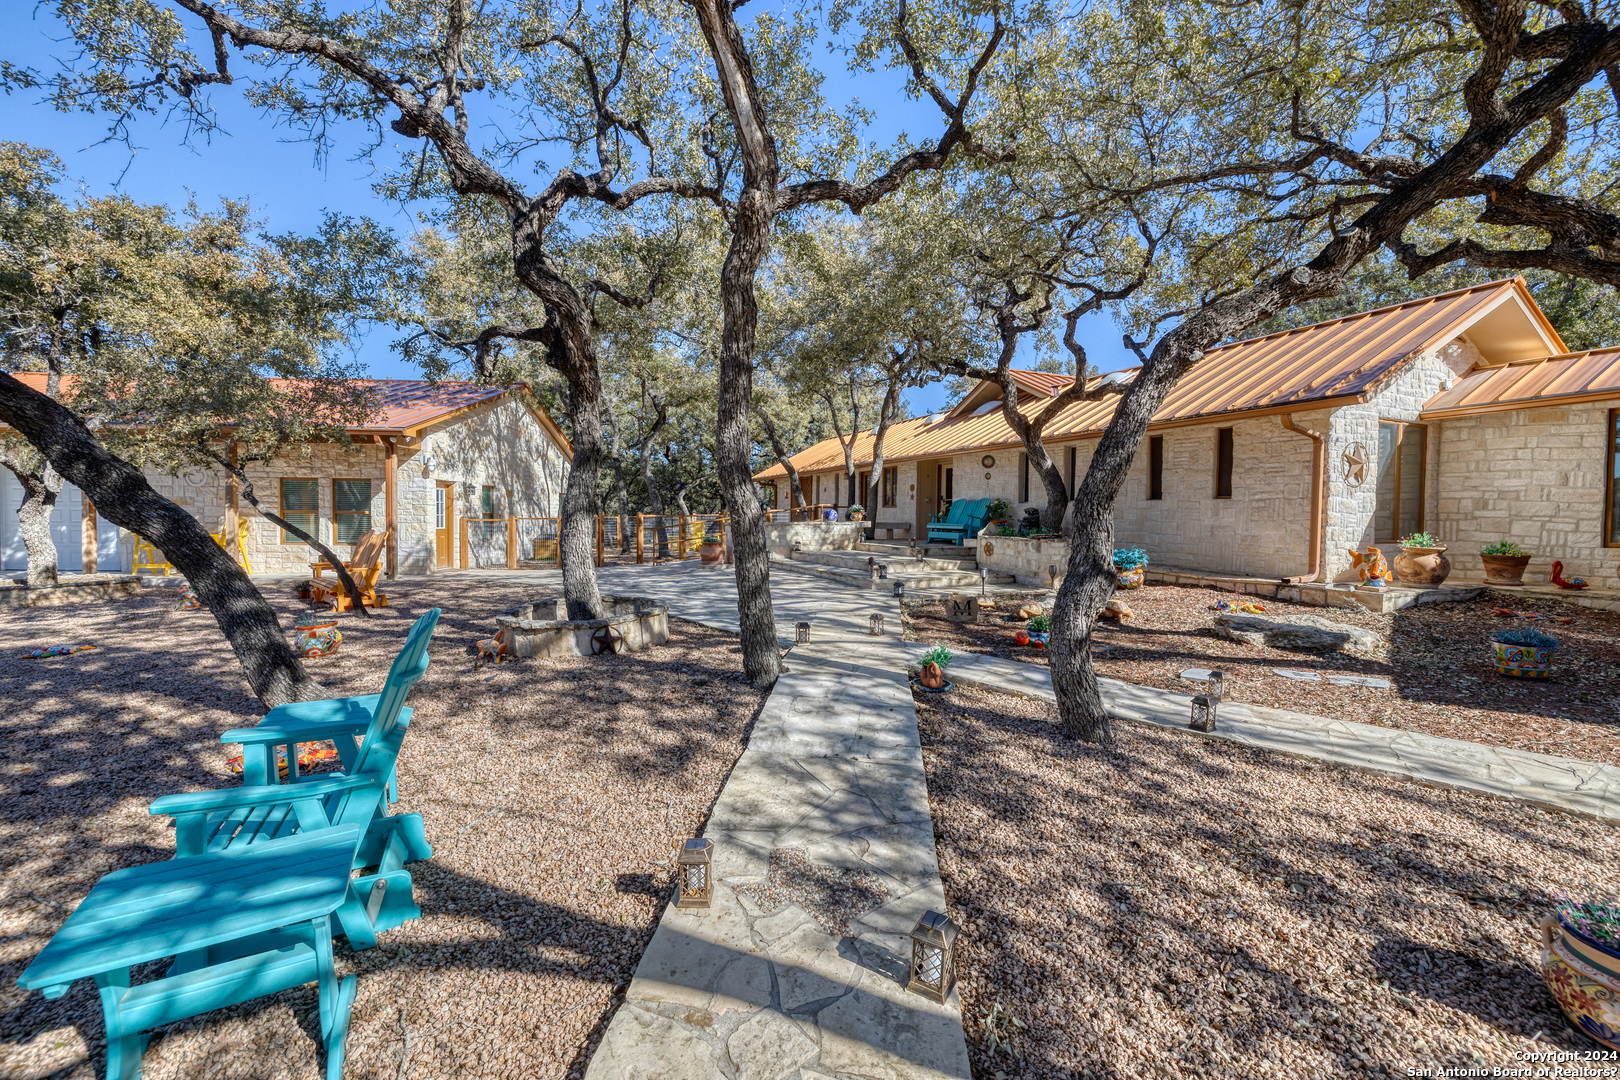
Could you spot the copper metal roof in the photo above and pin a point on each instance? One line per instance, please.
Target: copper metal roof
(1336, 362)
(408, 405)
(1554, 380)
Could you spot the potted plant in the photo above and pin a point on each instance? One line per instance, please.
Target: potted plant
(711, 550)
(1040, 628)
(1130, 567)
(1504, 563)
(932, 675)
(317, 635)
(1525, 653)
(999, 512)
(1580, 959)
(1422, 560)
(857, 512)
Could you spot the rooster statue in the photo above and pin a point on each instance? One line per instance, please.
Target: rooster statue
(1559, 580)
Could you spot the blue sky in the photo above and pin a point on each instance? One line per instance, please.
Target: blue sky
(250, 159)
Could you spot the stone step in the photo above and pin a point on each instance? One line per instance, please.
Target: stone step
(950, 552)
(857, 560)
(923, 578)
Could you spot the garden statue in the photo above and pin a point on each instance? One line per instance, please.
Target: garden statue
(1371, 566)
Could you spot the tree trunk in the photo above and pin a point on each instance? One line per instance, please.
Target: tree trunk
(624, 490)
(795, 492)
(750, 241)
(655, 498)
(34, 521)
(874, 483)
(571, 352)
(122, 495)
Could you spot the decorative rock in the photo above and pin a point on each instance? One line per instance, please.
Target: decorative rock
(1296, 674)
(1306, 633)
(1359, 680)
(769, 1046)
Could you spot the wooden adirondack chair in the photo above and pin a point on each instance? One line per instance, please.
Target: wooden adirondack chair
(239, 926)
(365, 565)
(235, 819)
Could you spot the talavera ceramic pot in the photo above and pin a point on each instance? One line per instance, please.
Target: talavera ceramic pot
(1584, 978)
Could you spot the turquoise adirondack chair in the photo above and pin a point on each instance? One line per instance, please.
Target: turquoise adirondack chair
(959, 521)
(233, 819)
(240, 925)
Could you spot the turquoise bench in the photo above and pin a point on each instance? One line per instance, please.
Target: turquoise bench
(962, 521)
(240, 925)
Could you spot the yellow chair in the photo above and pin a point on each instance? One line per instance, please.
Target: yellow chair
(149, 558)
(244, 529)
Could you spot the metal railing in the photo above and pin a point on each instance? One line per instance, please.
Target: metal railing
(799, 513)
(679, 536)
(488, 545)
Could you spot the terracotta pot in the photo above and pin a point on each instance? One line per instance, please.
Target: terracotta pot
(1505, 569)
(1421, 565)
(1584, 978)
(933, 676)
(709, 554)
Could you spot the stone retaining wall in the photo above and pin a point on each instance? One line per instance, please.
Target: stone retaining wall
(780, 536)
(1037, 563)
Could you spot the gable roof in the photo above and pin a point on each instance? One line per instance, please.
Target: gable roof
(409, 406)
(1553, 380)
(1326, 364)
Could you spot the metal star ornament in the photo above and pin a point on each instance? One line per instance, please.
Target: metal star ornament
(1355, 464)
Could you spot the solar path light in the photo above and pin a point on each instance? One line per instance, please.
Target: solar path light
(933, 969)
(693, 866)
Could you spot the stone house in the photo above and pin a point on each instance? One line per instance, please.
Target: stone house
(432, 456)
(1461, 414)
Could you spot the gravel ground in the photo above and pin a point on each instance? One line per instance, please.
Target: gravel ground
(1186, 907)
(1436, 657)
(552, 792)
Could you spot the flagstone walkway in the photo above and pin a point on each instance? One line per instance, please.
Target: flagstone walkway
(1585, 787)
(800, 978)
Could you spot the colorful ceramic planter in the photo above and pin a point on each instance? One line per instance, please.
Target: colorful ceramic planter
(320, 639)
(1131, 579)
(1522, 661)
(1037, 639)
(1584, 978)
(185, 599)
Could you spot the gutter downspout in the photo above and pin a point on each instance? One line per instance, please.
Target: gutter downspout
(1318, 503)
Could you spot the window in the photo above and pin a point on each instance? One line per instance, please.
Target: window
(1074, 453)
(860, 491)
(486, 510)
(767, 495)
(1023, 478)
(1223, 463)
(438, 508)
(351, 510)
(1611, 537)
(948, 495)
(301, 507)
(1156, 469)
(1398, 510)
(891, 486)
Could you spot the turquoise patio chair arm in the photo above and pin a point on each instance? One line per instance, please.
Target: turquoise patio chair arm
(193, 802)
(355, 710)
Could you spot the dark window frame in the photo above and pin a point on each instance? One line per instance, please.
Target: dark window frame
(1225, 461)
(891, 486)
(1610, 503)
(1155, 468)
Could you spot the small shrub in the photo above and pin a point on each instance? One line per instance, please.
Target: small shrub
(1421, 540)
(998, 509)
(1040, 624)
(1527, 636)
(939, 654)
(1504, 547)
(1597, 919)
(856, 508)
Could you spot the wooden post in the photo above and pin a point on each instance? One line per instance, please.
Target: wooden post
(680, 547)
(390, 504)
(640, 553)
(87, 535)
(464, 543)
(601, 530)
(511, 543)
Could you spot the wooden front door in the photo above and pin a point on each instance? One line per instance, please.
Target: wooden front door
(927, 496)
(444, 523)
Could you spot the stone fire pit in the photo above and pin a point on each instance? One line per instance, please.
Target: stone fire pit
(540, 627)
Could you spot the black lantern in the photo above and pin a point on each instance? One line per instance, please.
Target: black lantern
(899, 590)
(797, 546)
(933, 970)
(876, 624)
(883, 570)
(803, 634)
(1205, 709)
(693, 869)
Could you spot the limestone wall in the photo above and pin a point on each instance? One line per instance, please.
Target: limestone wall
(1036, 563)
(1535, 476)
(780, 536)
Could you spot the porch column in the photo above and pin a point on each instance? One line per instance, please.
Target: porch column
(87, 536)
(390, 504)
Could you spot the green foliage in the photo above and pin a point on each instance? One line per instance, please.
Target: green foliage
(939, 654)
(1596, 919)
(1505, 547)
(1129, 559)
(998, 510)
(1039, 624)
(1420, 540)
(1000, 1029)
